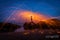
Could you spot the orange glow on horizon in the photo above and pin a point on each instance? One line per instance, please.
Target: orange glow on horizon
(35, 16)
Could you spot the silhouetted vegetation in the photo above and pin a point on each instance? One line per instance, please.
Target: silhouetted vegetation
(43, 25)
(55, 24)
(8, 27)
(30, 25)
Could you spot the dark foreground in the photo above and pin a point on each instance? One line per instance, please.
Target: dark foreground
(28, 36)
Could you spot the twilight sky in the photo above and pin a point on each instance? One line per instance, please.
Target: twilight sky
(46, 7)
